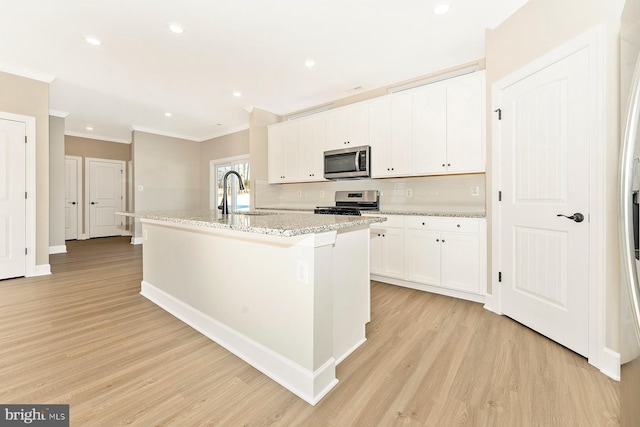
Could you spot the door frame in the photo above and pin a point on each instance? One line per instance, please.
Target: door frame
(79, 192)
(598, 354)
(87, 190)
(30, 187)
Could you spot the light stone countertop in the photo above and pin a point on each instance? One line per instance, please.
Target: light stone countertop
(454, 214)
(273, 224)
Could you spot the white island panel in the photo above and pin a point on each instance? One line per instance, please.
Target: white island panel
(271, 300)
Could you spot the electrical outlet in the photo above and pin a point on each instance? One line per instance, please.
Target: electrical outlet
(475, 190)
(302, 271)
(408, 192)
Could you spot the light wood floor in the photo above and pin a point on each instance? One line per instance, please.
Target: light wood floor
(84, 336)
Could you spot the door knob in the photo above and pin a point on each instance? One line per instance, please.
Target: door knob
(577, 217)
(73, 203)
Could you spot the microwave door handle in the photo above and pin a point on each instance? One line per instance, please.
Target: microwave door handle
(357, 156)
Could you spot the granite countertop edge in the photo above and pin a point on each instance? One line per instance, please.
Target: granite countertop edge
(455, 214)
(282, 225)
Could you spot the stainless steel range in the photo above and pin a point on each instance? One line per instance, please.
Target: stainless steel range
(352, 203)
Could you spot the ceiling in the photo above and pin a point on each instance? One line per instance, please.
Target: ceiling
(142, 70)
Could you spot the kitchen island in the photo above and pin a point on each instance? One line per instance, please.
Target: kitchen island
(287, 293)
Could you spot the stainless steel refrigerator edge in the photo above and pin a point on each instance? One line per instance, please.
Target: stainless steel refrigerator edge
(628, 224)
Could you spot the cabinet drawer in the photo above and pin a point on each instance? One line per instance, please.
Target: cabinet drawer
(393, 221)
(462, 225)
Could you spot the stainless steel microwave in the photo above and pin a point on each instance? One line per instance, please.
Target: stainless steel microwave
(352, 162)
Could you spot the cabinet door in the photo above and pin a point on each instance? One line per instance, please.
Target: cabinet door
(423, 256)
(401, 134)
(430, 129)
(348, 127)
(380, 113)
(393, 252)
(283, 145)
(312, 144)
(460, 264)
(359, 130)
(276, 141)
(337, 129)
(465, 130)
(375, 250)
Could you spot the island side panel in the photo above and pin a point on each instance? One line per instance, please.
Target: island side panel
(351, 288)
(276, 291)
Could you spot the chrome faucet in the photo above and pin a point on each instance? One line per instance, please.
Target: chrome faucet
(223, 205)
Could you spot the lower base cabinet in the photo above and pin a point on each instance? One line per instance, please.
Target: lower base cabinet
(387, 247)
(438, 254)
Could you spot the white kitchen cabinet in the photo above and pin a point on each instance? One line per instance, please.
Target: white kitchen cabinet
(460, 262)
(423, 256)
(312, 141)
(465, 124)
(391, 136)
(449, 126)
(348, 126)
(444, 252)
(296, 150)
(283, 152)
(387, 247)
(430, 129)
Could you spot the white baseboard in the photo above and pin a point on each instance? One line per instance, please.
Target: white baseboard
(41, 270)
(136, 240)
(609, 363)
(351, 350)
(490, 304)
(310, 386)
(430, 288)
(62, 249)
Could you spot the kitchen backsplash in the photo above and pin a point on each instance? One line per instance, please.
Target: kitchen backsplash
(464, 193)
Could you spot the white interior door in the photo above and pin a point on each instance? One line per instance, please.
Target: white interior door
(105, 188)
(544, 163)
(12, 199)
(71, 197)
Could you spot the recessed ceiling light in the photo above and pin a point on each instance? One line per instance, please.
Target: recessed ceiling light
(309, 63)
(92, 40)
(237, 93)
(89, 128)
(168, 114)
(176, 28)
(441, 8)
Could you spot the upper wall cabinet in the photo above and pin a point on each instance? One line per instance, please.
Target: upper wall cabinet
(284, 141)
(296, 150)
(312, 145)
(348, 126)
(430, 130)
(449, 126)
(391, 136)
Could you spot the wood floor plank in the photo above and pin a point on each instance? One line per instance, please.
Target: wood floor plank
(85, 336)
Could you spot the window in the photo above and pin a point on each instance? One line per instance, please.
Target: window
(236, 198)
